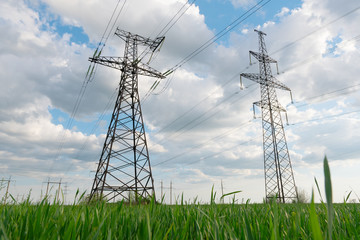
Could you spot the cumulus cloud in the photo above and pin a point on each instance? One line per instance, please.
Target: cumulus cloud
(202, 122)
(284, 11)
(242, 3)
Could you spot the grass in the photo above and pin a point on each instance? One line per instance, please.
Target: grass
(182, 221)
(228, 221)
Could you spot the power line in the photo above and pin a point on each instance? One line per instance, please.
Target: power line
(101, 117)
(331, 92)
(217, 112)
(217, 36)
(163, 31)
(224, 31)
(326, 117)
(204, 157)
(234, 22)
(315, 31)
(284, 47)
(169, 25)
(231, 131)
(201, 101)
(218, 153)
(292, 43)
(88, 78)
(181, 130)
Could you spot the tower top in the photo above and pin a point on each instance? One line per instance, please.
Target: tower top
(259, 32)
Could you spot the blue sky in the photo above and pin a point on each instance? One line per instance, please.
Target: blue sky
(52, 42)
(219, 13)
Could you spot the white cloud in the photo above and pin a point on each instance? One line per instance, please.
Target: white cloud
(284, 11)
(268, 23)
(42, 69)
(245, 31)
(242, 3)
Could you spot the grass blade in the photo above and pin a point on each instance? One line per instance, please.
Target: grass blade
(347, 197)
(318, 188)
(329, 197)
(314, 222)
(227, 194)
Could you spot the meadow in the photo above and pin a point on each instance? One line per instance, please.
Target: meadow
(184, 220)
(181, 221)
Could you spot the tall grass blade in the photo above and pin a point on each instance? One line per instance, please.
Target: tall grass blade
(248, 231)
(318, 188)
(168, 231)
(212, 200)
(329, 197)
(3, 233)
(227, 194)
(347, 197)
(14, 200)
(314, 222)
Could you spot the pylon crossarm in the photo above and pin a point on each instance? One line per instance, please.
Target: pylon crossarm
(152, 44)
(146, 70)
(119, 63)
(268, 81)
(113, 62)
(277, 107)
(252, 76)
(263, 58)
(277, 84)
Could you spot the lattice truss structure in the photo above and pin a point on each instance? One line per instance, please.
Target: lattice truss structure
(279, 178)
(124, 169)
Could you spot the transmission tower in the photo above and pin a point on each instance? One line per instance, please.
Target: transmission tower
(124, 167)
(279, 178)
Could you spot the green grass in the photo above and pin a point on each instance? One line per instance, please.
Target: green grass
(182, 221)
(228, 221)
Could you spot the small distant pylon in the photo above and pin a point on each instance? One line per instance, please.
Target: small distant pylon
(8, 181)
(124, 167)
(279, 177)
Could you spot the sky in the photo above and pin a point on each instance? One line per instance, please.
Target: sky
(199, 122)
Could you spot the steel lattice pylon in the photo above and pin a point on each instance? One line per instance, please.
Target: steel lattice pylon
(124, 166)
(279, 178)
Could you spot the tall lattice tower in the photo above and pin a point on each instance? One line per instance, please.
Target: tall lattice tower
(124, 169)
(279, 178)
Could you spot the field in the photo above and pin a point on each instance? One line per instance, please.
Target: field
(184, 220)
(181, 221)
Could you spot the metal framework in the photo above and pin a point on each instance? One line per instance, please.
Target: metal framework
(279, 178)
(124, 170)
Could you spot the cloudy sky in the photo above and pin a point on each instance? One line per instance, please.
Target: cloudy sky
(199, 123)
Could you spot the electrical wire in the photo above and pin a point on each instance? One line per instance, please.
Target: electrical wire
(182, 130)
(169, 25)
(278, 50)
(93, 66)
(92, 131)
(88, 78)
(318, 29)
(356, 38)
(219, 35)
(324, 118)
(352, 90)
(202, 100)
(224, 31)
(298, 40)
(222, 135)
(163, 31)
